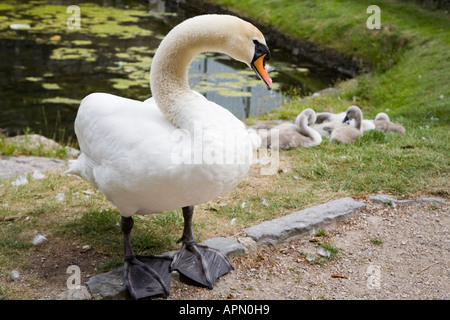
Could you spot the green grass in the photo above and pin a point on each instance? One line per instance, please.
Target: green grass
(396, 164)
(329, 22)
(376, 241)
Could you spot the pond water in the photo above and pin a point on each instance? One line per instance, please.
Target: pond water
(48, 64)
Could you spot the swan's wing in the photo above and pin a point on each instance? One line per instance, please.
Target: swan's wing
(109, 127)
(122, 141)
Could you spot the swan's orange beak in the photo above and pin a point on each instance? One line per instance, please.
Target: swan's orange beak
(259, 66)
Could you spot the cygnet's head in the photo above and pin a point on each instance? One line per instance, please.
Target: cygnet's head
(382, 116)
(353, 112)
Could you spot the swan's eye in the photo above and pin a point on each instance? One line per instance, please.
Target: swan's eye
(259, 50)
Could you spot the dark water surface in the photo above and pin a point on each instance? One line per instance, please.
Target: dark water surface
(47, 66)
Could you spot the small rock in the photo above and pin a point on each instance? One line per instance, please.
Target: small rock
(75, 294)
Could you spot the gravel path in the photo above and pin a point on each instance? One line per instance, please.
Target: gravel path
(385, 252)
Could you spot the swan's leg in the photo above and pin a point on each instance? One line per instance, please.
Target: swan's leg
(200, 263)
(144, 276)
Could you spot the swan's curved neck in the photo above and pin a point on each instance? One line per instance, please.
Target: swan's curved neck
(358, 121)
(169, 70)
(302, 125)
(168, 73)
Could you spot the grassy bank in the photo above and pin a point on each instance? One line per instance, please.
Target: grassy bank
(410, 57)
(410, 77)
(409, 54)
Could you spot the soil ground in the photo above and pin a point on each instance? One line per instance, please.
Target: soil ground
(385, 252)
(399, 252)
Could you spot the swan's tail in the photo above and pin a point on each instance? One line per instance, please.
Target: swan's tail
(73, 168)
(83, 168)
(78, 166)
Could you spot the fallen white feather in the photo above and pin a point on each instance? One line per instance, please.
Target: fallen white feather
(59, 196)
(324, 253)
(20, 181)
(37, 175)
(15, 275)
(39, 239)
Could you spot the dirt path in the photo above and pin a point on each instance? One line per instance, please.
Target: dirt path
(385, 252)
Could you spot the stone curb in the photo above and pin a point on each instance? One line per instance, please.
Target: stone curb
(298, 223)
(385, 199)
(22, 165)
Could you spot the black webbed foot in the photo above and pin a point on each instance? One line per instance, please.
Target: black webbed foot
(144, 276)
(200, 263)
(147, 276)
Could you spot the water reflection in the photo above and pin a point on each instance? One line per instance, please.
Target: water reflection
(48, 69)
(239, 90)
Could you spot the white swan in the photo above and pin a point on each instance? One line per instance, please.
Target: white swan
(383, 123)
(326, 122)
(175, 150)
(292, 135)
(347, 133)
